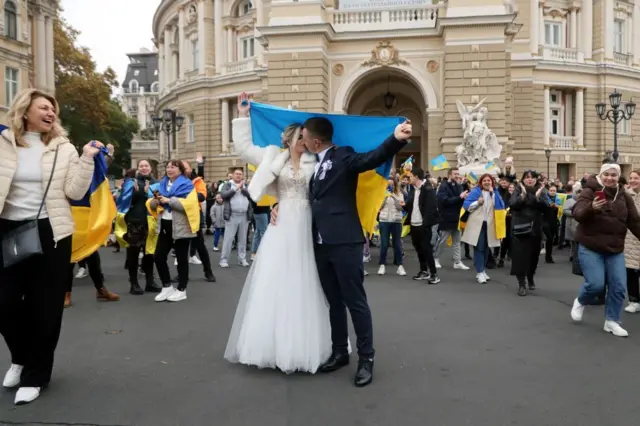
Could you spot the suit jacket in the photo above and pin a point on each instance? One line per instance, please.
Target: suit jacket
(333, 196)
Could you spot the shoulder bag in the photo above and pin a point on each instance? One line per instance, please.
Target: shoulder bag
(24, 241)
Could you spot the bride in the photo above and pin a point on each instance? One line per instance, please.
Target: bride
(282, 318)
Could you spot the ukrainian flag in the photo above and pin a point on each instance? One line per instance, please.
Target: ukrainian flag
(440, 163)
(266, 200)
(183, 189)
(361, 133)
(94, 214)
(471, 177)
(499, 211)
(123, 204)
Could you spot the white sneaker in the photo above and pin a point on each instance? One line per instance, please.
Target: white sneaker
(175, 262)
(164, 294)
(26, 395)
(401, 271)
(382, 270)
(366, 259)
(577, 311)
(615, 329)
(224, 264)
(632, 308)
(438, 265)
(253, 257)
(194, 260)
(243, 263)
(486, 277)
(140, 255)
(366, 274)
(480, 277)
(12, 378)
(177, 296)
(216, 249)
(461, 266)
(82, 272)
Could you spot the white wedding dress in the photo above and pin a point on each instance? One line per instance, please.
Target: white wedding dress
(282, 318)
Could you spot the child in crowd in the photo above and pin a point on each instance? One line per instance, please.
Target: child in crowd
(217, 220)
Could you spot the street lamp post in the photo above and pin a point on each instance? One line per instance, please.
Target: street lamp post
(615, 115)
(547, 153)
(169, 123)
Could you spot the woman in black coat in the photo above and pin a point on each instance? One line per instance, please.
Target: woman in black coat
(527, 208)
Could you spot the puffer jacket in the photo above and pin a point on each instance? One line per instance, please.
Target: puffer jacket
(391, 210)
(631, 243)
(71, 178)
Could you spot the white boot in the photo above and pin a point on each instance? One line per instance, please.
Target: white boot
(26, 395)
(12, 378)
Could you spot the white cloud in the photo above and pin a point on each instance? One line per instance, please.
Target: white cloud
(112, 29)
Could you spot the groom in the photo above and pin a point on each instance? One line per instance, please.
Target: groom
(339, 237)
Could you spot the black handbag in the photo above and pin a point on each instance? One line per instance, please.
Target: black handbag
(522, 230)
(24, 241)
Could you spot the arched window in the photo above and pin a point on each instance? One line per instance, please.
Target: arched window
(155, 87)
(11, 20)
(244, 8)
(133, 86)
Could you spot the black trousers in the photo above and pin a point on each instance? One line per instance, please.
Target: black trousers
(93, 264)
(132, 262)
(197, 245)
(550, 235)
(31, 304)
(342, 278)
(163, 248)
(633, 275)
(421, 240)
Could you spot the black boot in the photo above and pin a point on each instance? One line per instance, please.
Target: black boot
(135, 287)
(209, 277)
(522, 287)
(151, 286)
(532, 284)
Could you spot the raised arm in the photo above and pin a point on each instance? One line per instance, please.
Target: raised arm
(243, 142)
(361, 162)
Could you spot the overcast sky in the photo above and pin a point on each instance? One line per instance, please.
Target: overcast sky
(112, 29)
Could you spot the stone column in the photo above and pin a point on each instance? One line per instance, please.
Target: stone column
(202, 40)
(41, 53)
(580, 117)
(587, 28)
(545, 125)
(541, 24)
(225, 126)
(574, 28)
(218, 35)
(636, 36)
(51, 78)
(608, 30)
(161, 76)
(534, 40)
(259, 50)
(183, 57)
(175, 60)
(168, 79)
(230, 41)
(630, 36)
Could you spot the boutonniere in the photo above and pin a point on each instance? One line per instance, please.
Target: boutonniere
(326, 166)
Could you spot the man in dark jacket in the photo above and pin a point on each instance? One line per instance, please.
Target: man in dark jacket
(422, 214)
(450, 198)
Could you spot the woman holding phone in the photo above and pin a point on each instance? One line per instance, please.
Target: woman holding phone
(604, 212)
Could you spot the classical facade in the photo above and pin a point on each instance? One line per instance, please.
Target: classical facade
(542, 65)
(26, 47)
(139, 95)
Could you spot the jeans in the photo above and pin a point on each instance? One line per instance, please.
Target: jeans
(481, 251)
(443, 236)
(262, 221)
(598, 269)
(217, 233)
(391, 230)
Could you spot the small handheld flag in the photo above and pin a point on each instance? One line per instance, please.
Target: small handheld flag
(491, 165)
(439, 163)
(471, 177)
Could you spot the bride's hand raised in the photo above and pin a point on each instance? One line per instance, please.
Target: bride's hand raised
(244, 105)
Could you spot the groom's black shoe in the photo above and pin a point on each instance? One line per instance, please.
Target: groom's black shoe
(364, 375)
(335, 362)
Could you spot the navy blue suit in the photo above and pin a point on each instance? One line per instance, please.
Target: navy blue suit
(339, 256)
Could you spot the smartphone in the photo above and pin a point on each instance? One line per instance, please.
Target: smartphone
(156, 193)
(600, 195)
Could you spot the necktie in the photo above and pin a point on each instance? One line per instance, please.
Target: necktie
(317, 158)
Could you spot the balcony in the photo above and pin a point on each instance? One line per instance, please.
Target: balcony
(564, 143)
(561, 54)
(146, 146)
(397, 18)
(622, 59)
(240, 66)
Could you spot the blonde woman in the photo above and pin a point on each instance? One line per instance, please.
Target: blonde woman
(39, 172)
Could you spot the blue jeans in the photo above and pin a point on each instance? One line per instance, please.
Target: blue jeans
(262, 221)
(481, 250)
(599, 269)
(217, 233)
(393, 230)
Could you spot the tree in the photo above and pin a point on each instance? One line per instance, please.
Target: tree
(86, 108)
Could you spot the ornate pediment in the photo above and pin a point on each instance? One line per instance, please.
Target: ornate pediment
(384, 54)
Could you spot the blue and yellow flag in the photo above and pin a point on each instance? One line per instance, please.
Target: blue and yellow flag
(94, 214)
(361, 133)
(471, 177)
(491, 165)
(439, 163)
(123, 204)
(183, 189)
(499, 211)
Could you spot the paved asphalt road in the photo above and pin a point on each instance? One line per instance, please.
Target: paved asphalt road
(458, 353)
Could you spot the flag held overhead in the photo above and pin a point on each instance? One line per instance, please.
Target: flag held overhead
(439, 163)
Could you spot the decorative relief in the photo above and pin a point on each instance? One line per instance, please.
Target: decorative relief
(475, 48)
(475, 82)
(192, 14)
(338, 70)
(384, 55)
(475, 65)
(432, 66)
